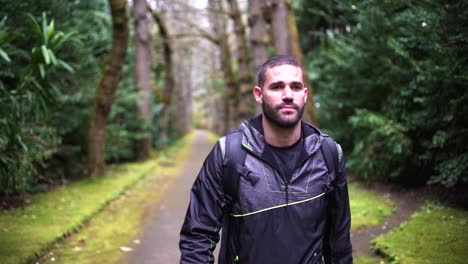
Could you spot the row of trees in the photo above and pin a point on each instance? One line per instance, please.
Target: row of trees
(93, 81)
(93, 85)
(391, 79)
(75, 93)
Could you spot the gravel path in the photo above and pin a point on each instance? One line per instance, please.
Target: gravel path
(160, 240)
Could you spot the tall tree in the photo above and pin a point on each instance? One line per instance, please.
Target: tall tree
(105, 91)
(285, 39)
(143, 73)
(165, 97)
(231, 96)
(258, 36)
(246, 105)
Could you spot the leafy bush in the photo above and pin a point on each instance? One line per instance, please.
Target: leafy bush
(27, 98)
(396, 71)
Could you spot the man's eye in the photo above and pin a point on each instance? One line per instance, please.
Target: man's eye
(297, 87)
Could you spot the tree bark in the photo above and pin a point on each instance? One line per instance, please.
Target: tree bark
(143, 75)
(246, 105)
(105, 92)
(286, 42)
(165, 97)
(182, 104)
(296, 51)
(278, 10)
(258, 37)
(231, 95)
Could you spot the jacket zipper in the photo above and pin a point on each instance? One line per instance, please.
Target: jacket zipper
(286, 183)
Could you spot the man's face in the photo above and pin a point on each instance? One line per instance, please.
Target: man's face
(282, 96)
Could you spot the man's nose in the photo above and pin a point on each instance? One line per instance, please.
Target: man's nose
(287, 93)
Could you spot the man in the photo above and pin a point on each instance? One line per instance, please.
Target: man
(288, 207)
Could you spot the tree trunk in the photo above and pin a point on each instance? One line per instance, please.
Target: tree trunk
(105, 92)
(286, 42)
(278, 10)
(143, 74)
(296, 51)
(169, 81)
(231, 96)
(258, 37)
(182, 116)
(246, 104)
(232, 93)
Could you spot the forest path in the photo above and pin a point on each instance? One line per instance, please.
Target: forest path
(160, 237)
(406, 203)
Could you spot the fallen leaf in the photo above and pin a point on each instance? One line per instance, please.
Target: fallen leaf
(126, 249)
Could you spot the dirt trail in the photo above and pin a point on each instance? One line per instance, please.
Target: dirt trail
(160, 239)
(407, 202)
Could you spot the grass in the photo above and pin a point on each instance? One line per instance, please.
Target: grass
(367, 260)
(435, 234)
(367, 208)
(31, 231)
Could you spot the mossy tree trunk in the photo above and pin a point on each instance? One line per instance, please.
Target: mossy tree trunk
(285, 39)
(231, 95)
(165, 97)
(106, 89)
(143, 75)
(259, 39)
(246, 105)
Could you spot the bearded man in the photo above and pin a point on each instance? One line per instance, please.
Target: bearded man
(290, 201)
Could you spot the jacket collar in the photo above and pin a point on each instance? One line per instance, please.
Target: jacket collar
(254, 140)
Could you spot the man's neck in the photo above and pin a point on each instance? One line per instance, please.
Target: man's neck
(278, 136)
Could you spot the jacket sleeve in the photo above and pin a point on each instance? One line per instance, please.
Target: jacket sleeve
(337, 242)
(203, 220)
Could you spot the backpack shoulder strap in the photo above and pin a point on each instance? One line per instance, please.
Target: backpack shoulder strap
(332, 153)
(234, 156)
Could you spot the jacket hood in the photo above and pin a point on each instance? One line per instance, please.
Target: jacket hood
(254, 141)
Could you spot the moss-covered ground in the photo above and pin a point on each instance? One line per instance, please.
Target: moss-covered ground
(55, 216)
(368, 208)
(94, 220)
(435, 234)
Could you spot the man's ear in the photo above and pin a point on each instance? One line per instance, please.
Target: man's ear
(306, 93)
(257, 91)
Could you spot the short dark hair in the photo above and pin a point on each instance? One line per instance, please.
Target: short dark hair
(273, 62)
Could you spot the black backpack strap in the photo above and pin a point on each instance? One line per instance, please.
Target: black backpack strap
(331, 152)
(234, 157)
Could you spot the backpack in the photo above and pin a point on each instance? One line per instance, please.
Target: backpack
(234, 157)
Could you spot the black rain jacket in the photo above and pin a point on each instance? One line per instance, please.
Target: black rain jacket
(304, 221)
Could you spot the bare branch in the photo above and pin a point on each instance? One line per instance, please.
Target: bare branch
(197, 35)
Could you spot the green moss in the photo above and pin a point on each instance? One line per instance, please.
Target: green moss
(367, 208)
(435, 234)
(367, 260)
(32, 230)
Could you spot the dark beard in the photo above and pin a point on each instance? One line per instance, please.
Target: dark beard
(271, 113)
